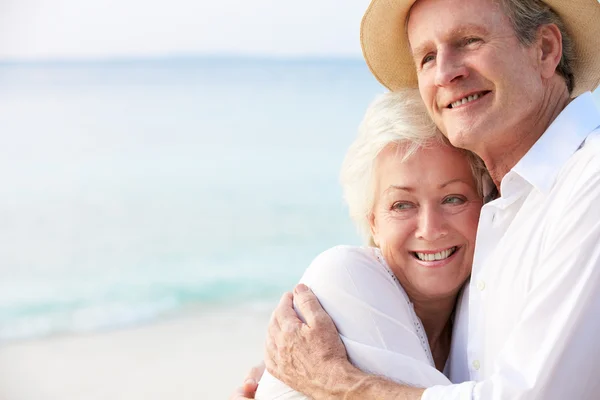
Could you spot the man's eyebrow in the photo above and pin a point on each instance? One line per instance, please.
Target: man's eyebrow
(457, 32)
(467, 29)
(419, 50)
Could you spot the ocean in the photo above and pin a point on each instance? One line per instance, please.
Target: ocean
(135, 190)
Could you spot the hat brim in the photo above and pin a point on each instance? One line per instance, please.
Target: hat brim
(387, 52)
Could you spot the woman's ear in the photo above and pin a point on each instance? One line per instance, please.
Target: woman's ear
(374, 230)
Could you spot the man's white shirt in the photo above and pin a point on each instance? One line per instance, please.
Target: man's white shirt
(528, 324)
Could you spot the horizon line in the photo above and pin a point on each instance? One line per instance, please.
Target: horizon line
(180, 57)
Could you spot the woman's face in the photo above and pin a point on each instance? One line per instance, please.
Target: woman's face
(425, 218)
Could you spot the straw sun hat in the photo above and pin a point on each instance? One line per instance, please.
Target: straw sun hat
(387, 53)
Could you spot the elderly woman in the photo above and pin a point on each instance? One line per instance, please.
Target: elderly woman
(416, 199)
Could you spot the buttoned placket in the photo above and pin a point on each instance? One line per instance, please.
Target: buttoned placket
(485, 243)
(493, 223)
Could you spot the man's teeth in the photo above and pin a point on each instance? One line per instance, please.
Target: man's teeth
(465, 100)
(442, 255)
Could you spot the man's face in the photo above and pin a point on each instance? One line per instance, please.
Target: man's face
(479, 83)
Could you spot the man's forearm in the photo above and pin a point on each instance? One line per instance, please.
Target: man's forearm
(349, 383)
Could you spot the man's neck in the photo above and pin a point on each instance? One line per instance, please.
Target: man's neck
(512, 146)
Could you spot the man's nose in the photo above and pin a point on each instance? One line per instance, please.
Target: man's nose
(450, 67)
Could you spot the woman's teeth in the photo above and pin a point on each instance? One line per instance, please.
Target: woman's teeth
(442, 255)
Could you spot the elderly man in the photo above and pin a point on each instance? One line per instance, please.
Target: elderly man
(509, 80)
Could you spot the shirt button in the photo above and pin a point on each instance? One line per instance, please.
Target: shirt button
(481, 286)
(476, 365)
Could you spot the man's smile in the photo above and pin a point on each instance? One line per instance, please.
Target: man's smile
(465, 99)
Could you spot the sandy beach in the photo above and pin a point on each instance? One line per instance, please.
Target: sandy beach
(200, 355)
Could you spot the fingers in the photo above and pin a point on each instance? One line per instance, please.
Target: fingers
(309, 307)
(239, 394)
(251, 382)
(295, 351)
(256, 372)
(269, 355)
(284, 320)
(285, 315)
(248, 389)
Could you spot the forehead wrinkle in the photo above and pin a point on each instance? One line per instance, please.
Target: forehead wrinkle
(455, 32)
(469, 28)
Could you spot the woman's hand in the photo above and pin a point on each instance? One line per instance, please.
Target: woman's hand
(248, 389)
(307, 355)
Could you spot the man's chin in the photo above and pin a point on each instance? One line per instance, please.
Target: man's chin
(461, 138)
(456, 133)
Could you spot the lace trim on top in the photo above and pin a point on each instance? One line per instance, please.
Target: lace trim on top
(416, 320)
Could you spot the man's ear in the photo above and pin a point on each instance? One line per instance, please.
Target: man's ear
(549, 42)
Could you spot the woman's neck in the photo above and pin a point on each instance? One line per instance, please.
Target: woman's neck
(435, 315)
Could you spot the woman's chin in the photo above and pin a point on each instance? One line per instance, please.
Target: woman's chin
(439, 289)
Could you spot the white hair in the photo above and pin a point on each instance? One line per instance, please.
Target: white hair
(398, 118)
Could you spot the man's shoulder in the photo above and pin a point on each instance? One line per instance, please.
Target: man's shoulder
(577, 185)
(592, 143)
(584, 164)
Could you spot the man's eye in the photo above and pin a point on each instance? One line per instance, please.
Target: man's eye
(427, 58)
(471, 40)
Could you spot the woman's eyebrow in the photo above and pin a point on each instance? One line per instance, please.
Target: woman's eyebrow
(397, 187)
(451, 181)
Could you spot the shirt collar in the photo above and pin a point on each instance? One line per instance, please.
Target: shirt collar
(542, 163)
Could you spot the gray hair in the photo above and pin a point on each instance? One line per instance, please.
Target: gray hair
(398, 118)
(526, 16)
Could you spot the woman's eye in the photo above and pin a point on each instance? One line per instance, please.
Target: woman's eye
(454, 200)
(401, 206)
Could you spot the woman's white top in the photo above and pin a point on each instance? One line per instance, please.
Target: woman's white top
(374, 316)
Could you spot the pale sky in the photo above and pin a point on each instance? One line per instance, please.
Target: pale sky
(42, 29)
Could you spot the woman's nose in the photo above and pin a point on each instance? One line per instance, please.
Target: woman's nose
(432, 224)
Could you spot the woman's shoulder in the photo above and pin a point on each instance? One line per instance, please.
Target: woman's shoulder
(344, 259)
(354, 268)
(347, 253)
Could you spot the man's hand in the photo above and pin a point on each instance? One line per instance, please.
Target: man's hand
(248, 389)
(305, 356)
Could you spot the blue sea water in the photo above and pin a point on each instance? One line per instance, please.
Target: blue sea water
(131, 190)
